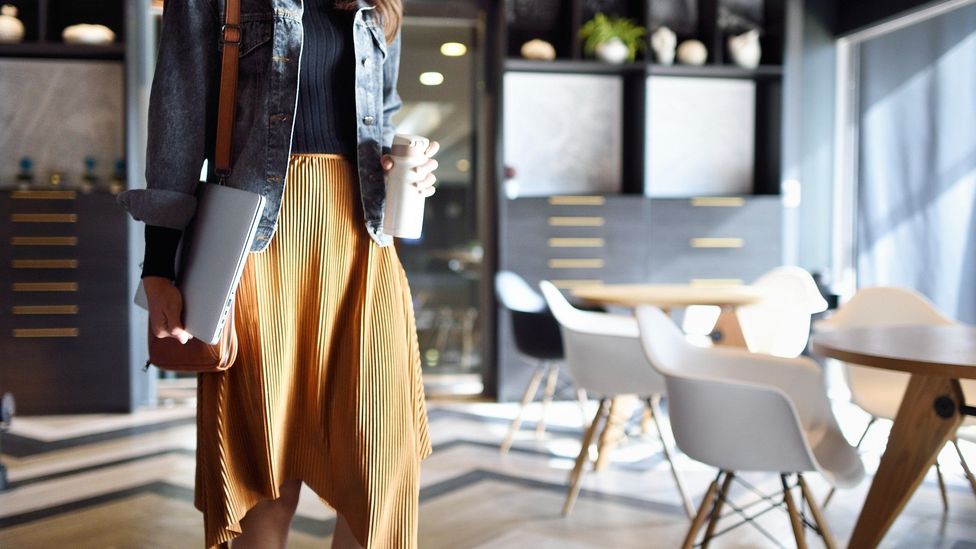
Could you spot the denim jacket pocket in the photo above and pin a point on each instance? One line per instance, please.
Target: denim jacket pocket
(255, 31)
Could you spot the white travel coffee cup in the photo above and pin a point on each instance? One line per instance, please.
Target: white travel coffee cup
(404, 210)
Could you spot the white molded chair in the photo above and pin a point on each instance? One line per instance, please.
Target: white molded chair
(778, 325)
(742, 411)
(879, 392)
(604, 357)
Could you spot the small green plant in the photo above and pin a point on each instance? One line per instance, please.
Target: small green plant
(602, 28)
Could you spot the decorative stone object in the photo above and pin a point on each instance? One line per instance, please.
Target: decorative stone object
(692, 52)
(11, 29)
(612, 51)
(84, 33)
(538, 50)
(664, 42)
(745, 49)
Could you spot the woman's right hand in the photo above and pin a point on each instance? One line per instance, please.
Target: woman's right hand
(165, 308)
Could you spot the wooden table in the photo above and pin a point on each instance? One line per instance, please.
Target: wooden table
(666, 296)
(930, 412)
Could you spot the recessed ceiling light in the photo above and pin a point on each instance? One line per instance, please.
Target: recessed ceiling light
(431, 78)
(453, 49)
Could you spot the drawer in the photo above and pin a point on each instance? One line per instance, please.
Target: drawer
(715, 238)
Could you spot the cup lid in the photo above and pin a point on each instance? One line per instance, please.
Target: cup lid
(407, 140)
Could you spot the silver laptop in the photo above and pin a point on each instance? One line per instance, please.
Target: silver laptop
(211, 257)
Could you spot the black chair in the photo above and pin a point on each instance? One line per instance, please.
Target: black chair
(537, 339)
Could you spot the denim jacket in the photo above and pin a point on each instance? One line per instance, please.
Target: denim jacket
(183, 102)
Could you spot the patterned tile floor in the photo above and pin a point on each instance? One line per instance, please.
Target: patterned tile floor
(100, 481)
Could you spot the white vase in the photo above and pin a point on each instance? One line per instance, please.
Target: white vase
(664, 42)
(612, 51)
(745, 50)
(11, 29)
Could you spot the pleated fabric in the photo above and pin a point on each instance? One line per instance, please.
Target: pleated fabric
(327, 386)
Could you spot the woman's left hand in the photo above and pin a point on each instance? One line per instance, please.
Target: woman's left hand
(425, 185)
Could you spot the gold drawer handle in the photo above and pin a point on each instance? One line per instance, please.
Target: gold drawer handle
(45, 332)
(566, 284)
(718, 201)
(44, 240)
(45, 309)
(572, 263)
(576, 243)
(576, 200)
(43, 195)
(711, 242)
(575, 221)
(45, 286)
(44, 263)
(44, 218)
(712, 282)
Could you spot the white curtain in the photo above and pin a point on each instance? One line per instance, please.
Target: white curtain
(916, 224)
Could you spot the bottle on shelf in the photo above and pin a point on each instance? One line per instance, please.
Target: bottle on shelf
(89, 181)
(25, 177)
(56, 179)
(117, 183)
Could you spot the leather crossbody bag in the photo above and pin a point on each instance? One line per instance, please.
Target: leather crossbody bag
(196, 355)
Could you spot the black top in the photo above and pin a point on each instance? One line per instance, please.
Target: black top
(325, 117)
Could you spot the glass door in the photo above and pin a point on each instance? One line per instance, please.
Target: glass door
(437, 82)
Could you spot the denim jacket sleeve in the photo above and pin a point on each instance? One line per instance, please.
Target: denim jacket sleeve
(181, 105)
(391, 99)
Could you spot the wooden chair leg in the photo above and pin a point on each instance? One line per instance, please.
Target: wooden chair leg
(798, 531)
(547, 394)
(830, 494)
(965, 466)
(942, 487)
(655, 408)
(527, 397)
(576, 476)
(703, 511)
(818, 517)
(717, 510)
(582, 399)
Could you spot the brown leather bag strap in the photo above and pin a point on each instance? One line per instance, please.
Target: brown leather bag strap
(231, 37)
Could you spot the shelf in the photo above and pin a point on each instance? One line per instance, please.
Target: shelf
(599, 67)
(573, 66)
(60, 50)
(716, 71)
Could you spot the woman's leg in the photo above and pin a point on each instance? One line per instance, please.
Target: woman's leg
(342, 538)
(266, 524)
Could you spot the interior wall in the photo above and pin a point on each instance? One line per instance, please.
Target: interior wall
(813, 164)
(916, 214)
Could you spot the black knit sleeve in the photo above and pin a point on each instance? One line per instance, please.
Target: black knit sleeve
(160, 257)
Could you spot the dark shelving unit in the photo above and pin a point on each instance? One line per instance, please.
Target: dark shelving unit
(44, 20)
(711, 21)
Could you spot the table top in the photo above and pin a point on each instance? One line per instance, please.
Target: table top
(669, 295)
(945, 351)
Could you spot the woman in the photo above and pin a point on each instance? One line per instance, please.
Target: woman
(326, 389)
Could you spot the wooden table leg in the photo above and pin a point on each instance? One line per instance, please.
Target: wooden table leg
(621, 407)
(728, 325)
(927, 418)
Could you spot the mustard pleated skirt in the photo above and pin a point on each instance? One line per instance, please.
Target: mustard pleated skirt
(326, 387)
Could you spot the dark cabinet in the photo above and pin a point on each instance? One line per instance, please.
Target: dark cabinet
(64, 317)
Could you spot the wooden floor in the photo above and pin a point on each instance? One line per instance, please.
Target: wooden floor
(127, 481)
